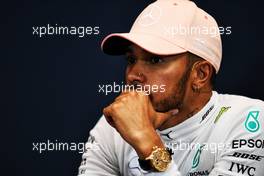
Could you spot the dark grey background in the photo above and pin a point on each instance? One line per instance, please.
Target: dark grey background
(50, 84)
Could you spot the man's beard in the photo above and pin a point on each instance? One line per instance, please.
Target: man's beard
(175, 99)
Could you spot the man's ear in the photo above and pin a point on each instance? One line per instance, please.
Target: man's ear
(201, 75)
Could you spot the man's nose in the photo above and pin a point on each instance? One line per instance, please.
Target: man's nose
(135, 73)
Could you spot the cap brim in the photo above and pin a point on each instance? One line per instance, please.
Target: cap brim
(116, 44)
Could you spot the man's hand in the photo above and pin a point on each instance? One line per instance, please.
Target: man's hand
(134, 117)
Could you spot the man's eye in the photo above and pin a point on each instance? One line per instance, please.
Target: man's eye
(155, 60)
(130, 60)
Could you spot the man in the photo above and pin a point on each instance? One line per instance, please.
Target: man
(188, 129)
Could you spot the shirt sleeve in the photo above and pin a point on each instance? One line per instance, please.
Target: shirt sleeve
(245, 154)
(99, 158)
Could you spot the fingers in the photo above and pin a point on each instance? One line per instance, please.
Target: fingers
(125, 94)
(162, 117)
(112, 111)
(121, 96)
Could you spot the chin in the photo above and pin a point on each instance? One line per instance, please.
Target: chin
(159, 106)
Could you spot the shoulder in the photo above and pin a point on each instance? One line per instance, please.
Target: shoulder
(239, 102)
(238, 117)
(237, 108)
(239, 133)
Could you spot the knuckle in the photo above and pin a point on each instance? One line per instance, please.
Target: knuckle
(124, 99)
(115, 106)
(142, 93)
(133, 93)
(106, 110)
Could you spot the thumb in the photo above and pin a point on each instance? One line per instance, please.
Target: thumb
(164, 116)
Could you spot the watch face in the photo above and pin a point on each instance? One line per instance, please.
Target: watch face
(161, 160)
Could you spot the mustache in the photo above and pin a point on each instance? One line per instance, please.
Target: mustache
(138, 87)
(134, 85)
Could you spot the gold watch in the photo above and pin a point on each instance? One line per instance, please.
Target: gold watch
(158, 160)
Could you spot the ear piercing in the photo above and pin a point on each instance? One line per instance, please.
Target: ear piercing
(196, 88)
(139, 74)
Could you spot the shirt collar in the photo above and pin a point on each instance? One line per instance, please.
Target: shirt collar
(189, 129)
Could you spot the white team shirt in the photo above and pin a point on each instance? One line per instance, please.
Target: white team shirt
(225, 138)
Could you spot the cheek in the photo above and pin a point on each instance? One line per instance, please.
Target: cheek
(165, 86)
(167, 79)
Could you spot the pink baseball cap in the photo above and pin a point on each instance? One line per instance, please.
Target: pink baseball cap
(168, 27)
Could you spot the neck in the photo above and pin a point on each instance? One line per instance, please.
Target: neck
(191, 106)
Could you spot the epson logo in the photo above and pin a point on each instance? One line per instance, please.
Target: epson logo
(251, 143)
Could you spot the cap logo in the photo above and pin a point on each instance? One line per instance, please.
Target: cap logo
(150, 16)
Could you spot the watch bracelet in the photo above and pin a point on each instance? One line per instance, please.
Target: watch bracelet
(146, 165)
